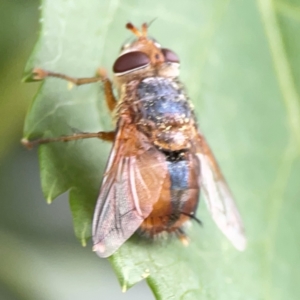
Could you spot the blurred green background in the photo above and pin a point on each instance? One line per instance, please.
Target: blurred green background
(40, 258)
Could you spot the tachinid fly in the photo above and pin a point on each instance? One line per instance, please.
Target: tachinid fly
(159, 159)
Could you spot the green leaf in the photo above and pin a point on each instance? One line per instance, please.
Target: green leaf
(240, 63)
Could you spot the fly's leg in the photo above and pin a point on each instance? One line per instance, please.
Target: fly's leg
(39, 74)
(182, 237)
(110, 99)
(105, 136)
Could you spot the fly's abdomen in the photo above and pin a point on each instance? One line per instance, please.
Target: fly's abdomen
(179, 195)
(166, 114)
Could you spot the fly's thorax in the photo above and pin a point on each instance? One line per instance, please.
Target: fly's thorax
(169, 135)
(166, 114)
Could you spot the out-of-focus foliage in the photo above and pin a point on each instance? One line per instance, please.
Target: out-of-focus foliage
(17, 35)
(240, 64)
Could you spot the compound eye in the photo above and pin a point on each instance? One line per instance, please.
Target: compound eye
(131, 61)
(170, 56)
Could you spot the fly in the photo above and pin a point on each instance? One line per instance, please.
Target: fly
(159, 160)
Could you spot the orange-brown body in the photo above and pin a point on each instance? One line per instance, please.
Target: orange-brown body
(160, 110)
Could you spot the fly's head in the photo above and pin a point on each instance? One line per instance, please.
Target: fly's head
(144, 57)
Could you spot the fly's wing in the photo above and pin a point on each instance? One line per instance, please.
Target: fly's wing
(218, 197)
(131, 185)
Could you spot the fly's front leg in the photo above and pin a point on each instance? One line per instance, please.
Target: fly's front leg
(105, 136)
(39, 74)
(111, 101)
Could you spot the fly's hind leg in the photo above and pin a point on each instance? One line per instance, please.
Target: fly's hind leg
(182, 237)
(39, 74)
(105, 136)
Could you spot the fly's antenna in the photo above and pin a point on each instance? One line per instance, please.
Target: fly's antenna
(150, 23)
(144, 29)
(139, 33)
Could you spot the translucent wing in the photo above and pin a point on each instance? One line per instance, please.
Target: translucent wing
(131, 185)
(219, 198)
